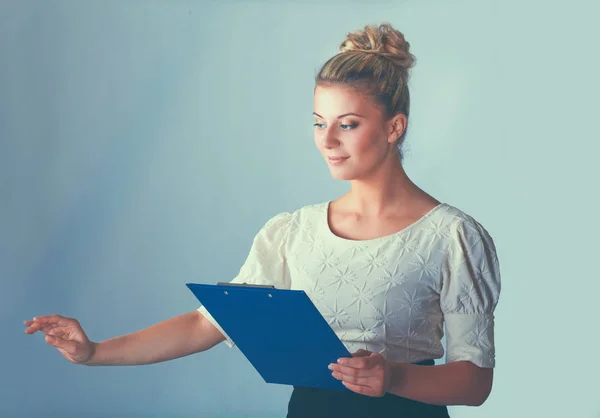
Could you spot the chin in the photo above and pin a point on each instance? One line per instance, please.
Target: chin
(342, 174)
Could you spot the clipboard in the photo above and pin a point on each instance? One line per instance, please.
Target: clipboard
(280, 331)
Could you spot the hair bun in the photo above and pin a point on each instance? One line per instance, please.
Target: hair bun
(381, 40)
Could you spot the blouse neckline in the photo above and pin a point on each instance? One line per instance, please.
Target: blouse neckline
(332, 235)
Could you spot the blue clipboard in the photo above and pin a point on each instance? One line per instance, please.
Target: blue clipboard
(280, 332)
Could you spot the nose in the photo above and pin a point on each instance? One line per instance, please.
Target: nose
(329, 140)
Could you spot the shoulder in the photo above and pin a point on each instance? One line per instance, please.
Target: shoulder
(461, 222)
(469, 238)
(290, 219)
(464, 233)
(303, 213)
(311, 211)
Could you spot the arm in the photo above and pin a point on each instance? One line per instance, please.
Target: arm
(456, 383)
(176, 337)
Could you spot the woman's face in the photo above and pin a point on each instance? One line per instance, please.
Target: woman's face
(351, 132)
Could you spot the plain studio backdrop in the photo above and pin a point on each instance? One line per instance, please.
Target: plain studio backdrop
(143, 145)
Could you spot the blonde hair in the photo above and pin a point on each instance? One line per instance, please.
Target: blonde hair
(375, 62)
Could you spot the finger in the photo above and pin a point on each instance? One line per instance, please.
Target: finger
(58, 332)
(31, 327)
(361, 381)
(45, 319)
(69, 346)
(363, 390)
(353, 372)
(54, 319)
(38, 327)
(362, 362)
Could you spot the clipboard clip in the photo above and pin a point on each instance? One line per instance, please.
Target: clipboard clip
(264, 286)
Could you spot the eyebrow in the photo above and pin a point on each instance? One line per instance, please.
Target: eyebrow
(341, 116)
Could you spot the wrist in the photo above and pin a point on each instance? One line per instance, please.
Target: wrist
(89, 361)
(398, 380)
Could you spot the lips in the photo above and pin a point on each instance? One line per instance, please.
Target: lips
(334, 161)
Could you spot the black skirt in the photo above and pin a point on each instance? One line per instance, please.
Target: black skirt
(325, 403)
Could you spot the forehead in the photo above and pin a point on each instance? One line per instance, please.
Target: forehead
(331, 101)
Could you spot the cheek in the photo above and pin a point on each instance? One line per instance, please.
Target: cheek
(365, 145)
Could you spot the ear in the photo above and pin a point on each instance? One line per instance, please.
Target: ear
(397, 126)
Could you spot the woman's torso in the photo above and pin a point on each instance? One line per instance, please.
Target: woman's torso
(379, 294)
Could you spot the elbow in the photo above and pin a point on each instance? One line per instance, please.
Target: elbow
(483, 388)
(479, 399)
(478, 384)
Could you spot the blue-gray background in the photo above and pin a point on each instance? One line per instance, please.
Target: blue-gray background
(143, 144)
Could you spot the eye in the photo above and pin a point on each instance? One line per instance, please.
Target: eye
(344, 126)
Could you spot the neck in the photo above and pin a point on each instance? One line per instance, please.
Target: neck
(382, 191)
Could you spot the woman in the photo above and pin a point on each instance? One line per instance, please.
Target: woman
(386, 264)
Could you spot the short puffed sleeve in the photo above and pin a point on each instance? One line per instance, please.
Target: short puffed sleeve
(470, 293)
(266, 262)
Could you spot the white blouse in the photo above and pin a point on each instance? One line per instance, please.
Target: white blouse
(392, 294)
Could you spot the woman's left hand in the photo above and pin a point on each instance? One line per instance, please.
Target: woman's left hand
(367, 373)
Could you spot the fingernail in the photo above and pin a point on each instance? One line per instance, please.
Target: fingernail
(330, 367)
(340, 361)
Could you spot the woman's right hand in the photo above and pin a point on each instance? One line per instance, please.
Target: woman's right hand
(65, 334)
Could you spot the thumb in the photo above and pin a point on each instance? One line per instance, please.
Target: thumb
(68, 346)
(361, 353)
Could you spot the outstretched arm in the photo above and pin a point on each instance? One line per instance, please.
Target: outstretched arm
(176, 337)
